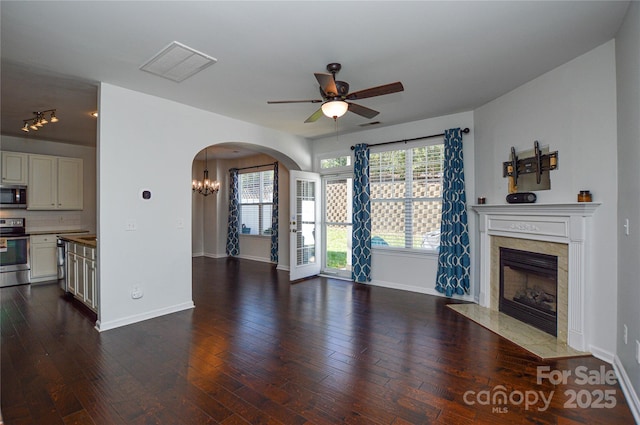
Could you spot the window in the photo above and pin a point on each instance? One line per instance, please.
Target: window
(406, 197)
(256, 202)
(335, 162)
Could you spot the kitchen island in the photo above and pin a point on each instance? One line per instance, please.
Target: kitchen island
(80, 268)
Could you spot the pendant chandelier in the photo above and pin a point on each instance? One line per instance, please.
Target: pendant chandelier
(205, 187)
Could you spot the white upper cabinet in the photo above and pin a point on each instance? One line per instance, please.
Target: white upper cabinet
(14, 168)
(70, 183)
(55, 183)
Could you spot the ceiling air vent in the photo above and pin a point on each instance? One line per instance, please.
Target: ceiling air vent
(177, 62)
(367, 124)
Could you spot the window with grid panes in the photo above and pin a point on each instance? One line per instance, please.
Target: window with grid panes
(406, 197)
(256, 202)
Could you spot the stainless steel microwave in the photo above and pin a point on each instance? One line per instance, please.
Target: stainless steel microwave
(13, 196)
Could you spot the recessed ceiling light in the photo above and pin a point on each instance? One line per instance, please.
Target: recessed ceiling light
(177, 62)
(94, 114)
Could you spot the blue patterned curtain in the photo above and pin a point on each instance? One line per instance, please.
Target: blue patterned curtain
(453, 259)
(233, 229)
(361, 245)
(274, 216)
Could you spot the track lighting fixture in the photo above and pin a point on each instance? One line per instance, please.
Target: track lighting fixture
(39, 120)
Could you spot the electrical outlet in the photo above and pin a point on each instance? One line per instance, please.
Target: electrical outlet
(131, 225)
(625, 333)
(638, 351)
(626, 226)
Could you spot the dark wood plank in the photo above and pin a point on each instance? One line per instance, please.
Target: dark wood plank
(258, 350)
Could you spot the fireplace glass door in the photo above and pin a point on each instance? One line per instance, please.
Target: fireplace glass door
(529, 288)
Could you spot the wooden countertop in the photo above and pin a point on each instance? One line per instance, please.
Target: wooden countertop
(87, 240)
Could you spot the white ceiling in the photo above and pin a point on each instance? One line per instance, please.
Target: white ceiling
(450, 56)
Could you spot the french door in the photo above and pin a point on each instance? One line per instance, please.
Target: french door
(304, 224)
(337, 227)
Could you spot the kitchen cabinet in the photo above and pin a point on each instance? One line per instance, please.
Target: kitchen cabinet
(81, 273)
(55, 183)
(14, 168)
(44, 258)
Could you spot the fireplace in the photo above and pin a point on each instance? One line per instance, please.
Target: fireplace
(561, 230)
(529, 288)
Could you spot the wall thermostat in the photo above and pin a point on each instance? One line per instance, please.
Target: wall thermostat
(146, 194)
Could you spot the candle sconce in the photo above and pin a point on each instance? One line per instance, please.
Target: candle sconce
(538, 164)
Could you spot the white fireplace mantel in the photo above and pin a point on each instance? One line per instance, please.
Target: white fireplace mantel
(560, 223)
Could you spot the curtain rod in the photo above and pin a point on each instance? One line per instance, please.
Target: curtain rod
(465, 131)
(254, 166)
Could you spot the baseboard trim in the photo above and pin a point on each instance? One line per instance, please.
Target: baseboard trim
(601, 354)
(418, 289)
(252, 258)
(209, 255)
(627, 388)
(129, 320)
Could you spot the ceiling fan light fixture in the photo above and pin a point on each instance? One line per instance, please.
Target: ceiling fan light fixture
(335, 108)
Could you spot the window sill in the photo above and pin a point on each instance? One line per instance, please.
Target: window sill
(249, 235)
(404, 252)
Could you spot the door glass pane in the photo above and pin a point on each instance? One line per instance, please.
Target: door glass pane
(306, 227)
(338, 246)
(337, 219)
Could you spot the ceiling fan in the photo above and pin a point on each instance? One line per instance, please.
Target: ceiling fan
(336, 93)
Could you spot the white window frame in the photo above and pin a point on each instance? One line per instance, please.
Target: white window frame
(259, 204)
(334, 170)
(408, 201)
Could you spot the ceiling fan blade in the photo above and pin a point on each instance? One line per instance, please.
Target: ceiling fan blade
(327, 83)
(314, 117)
(376, 91)
(362, 110)
(295, 101)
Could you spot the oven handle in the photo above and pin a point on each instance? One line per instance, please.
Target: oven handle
(13, 238)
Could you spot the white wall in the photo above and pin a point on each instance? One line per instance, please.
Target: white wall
(418, 271)
(628, 81)
(133, 156)
(58, 220)
(572, 109)
(198, 214)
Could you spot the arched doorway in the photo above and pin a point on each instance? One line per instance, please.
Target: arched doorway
(210, 213)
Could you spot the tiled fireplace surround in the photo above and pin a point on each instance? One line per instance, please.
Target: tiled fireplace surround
(556, 229)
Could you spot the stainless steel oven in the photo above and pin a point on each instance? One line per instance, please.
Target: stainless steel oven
(14, 253)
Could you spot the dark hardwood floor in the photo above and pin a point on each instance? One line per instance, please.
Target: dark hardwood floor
(258, 350)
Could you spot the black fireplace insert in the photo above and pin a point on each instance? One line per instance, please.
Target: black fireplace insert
(529, 288)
